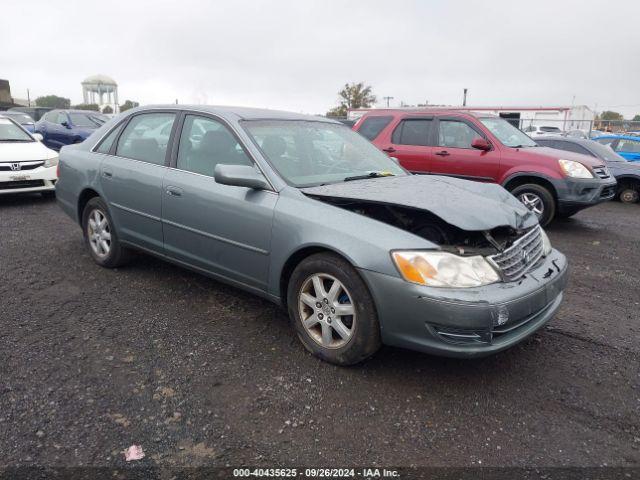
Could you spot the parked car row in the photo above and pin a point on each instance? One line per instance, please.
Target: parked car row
(487, 148)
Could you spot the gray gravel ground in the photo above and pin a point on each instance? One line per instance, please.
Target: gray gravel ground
(199, 373)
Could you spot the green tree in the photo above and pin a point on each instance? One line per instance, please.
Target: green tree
(610, 115)
(53, 101)
(353, 95)
(87, 106)
(107, 109)
(128, 104)
(636, 118)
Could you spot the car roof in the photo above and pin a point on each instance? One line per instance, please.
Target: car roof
(579, 141)
(238, 113)
(624, 137)
(428, 111)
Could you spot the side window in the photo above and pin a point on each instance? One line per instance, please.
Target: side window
(205, 143)
(60, 118)
(412, 132)
(145, 137)
(105, 145)
(372, 126)
(455, 134)
(51, 117)
(574, 147)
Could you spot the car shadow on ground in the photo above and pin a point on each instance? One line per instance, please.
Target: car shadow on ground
(23, 199)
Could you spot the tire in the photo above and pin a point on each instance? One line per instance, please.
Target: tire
(48, 194)
(628, 193)
(113, 256)
(536, 197)
(352, 338)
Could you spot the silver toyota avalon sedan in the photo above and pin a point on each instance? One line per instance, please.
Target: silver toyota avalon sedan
(308, 214)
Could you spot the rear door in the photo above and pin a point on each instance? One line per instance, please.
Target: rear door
(131, 178)
(411, 142)
(453, 154)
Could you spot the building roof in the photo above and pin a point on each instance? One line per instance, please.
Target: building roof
(99, 80)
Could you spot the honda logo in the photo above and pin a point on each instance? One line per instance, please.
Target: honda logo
(15, 167)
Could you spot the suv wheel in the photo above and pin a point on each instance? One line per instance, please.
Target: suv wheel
(332, 310)
(537, 199)
(628, 193)
(100, 236)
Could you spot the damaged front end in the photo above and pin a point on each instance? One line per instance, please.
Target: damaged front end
(510, 251)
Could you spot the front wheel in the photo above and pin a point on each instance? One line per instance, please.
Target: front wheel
(537, 199)
(628, 193)
(332, 310)
(100, 235)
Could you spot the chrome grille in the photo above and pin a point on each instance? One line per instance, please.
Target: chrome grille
(4, 167)
(516, 260)
(602, 172)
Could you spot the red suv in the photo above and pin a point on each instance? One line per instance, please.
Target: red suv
(489, 149)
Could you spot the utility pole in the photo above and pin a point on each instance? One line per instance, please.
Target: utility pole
(464, 98)
(28, 98)
(387, 99)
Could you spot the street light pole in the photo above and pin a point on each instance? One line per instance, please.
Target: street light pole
(464, 98)
(387, 99)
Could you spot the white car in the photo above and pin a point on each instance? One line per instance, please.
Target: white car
(26, 165)
(536, 131)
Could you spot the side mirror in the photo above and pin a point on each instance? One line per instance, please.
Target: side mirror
(480, 144)
(37, 136)
(240, 176)
(66, 124)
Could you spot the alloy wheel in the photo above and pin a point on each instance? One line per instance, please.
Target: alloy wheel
(99, 233)
(533, 202)
(326, 310)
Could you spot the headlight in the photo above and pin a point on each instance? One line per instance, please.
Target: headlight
(51, 162)
(574, 169)
(441, 269)
(546, 243)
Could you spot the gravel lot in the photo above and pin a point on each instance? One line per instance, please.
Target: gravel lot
(199, 373)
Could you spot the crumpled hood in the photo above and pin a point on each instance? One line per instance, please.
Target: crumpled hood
(468, 205)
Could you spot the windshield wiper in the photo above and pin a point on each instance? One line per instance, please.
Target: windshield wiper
(14, 140)
(369, 175)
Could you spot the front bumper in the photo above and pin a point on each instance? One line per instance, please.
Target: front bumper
(39, 179)
(574, 194)
(467, 322)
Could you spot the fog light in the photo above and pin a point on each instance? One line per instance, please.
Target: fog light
(503, 315)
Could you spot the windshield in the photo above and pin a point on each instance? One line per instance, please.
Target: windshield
(507, 134)
(605, 152)
(83, 120)
(21, 118)
(100, 118)
(10, 132)
(307, 153)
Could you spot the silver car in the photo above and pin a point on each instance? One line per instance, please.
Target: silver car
(308, 214)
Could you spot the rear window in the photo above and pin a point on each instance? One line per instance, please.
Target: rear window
(372, 126)
(412, 132)
(549, 129)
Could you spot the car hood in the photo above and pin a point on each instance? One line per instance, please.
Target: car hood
(536, 152)
(621, 168)
(22, 151)
(468, 205)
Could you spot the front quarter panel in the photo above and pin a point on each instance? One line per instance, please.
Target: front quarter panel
(301, 222)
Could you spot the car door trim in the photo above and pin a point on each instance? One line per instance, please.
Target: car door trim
(137, 212)
(217, 237)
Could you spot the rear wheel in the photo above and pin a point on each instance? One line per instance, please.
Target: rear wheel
(332, 310)
(101, 237)
(628, 193)
(537, 199)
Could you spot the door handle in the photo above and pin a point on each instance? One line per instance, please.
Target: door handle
(174, 191)
(443, 153)
(107, 174)
(389, 149)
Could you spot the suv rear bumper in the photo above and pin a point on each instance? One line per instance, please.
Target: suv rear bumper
(575, 194)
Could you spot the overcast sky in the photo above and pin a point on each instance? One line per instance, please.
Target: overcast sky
(296, 54)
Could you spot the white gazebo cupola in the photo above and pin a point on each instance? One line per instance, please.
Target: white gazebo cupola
(101, 90)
